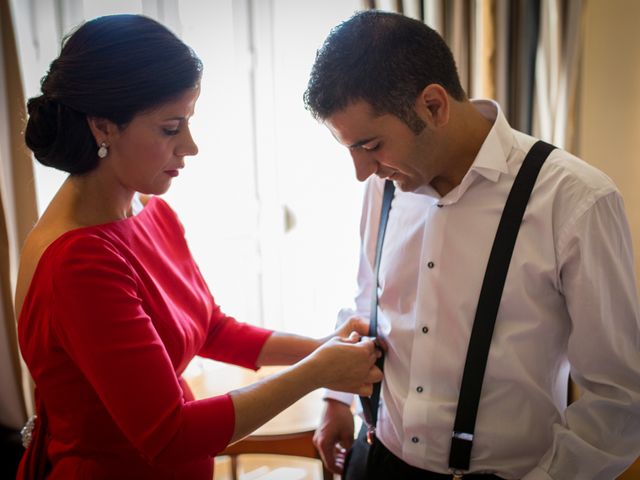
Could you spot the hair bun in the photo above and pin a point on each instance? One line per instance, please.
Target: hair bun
(42, 126)
(42, 105)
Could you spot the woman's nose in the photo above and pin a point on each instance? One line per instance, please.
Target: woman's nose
(188, 146)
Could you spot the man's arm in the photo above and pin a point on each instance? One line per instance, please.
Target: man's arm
(334, 437)
(601, 433)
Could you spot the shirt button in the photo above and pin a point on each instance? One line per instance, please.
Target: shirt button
(431, 264)
(425, 329)
(415, 439)
(419, 389)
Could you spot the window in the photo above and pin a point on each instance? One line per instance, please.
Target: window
(270, 204)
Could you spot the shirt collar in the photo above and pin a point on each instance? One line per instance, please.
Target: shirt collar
(491, 159)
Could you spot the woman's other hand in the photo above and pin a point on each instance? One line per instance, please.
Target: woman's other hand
(347, 364)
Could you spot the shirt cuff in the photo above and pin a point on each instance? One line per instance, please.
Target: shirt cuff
(346, 398)
(343, 315)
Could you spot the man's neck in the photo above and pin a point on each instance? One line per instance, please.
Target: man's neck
(468, 131)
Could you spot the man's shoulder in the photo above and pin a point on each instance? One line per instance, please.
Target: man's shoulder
(567, 173)
(572, 174)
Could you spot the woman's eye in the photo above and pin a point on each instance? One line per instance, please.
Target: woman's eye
(371, 148)
(170, 132)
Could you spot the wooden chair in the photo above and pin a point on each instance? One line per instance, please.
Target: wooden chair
(296, 444)
(633, 472)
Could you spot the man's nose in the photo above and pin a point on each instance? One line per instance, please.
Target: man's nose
(364, 164)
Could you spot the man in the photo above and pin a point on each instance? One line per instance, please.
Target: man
(387, 88)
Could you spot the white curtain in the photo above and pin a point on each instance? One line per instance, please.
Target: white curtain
(557, 67)
(17, 215)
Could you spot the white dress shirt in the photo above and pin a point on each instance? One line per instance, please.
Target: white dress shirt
(570, 304)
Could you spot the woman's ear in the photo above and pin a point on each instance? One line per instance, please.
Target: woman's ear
(101, 128)
(432, 105)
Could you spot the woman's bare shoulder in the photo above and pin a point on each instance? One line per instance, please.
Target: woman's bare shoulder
(43, 234)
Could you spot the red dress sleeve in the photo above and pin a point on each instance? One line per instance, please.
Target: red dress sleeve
(220, 345)
(102, 326)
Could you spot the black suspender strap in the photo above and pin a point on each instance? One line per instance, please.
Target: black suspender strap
(370, 404)
(488, 303)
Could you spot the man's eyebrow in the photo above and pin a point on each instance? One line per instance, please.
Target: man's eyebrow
(361, 142)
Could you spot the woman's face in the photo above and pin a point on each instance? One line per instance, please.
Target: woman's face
(149, 151)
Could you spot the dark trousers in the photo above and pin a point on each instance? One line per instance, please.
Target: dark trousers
(376, 462)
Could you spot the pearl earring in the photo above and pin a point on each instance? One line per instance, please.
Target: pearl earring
(103, 151)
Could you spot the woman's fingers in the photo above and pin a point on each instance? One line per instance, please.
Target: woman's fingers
(365, 390)
(350, 363)
(375, 375)
(359, 325)
(354, 337)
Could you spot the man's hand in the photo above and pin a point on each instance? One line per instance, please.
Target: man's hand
(334, 437)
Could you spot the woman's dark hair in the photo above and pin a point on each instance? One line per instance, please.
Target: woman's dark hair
(112, 67)
(383, 58)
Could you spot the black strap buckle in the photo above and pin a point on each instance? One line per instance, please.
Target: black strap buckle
(460, 453)
(371, 433)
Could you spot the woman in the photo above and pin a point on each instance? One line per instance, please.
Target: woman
(112, 306)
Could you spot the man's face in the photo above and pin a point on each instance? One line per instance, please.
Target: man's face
(384, 145)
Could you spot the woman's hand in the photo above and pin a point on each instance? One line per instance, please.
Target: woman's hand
(353, 324)
(347, 364)
(358, 325)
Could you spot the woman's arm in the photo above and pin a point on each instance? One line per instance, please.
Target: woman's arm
(339, 364)
(286, 348)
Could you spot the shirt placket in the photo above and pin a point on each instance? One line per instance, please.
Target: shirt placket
(416, 411)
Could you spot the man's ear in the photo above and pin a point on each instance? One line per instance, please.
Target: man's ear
(432, 105)
(101, 128)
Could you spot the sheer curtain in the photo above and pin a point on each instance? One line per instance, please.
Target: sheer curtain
(17, 199)
(557, 65)
(17, 215)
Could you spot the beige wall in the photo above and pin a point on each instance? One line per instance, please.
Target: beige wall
(610, 101)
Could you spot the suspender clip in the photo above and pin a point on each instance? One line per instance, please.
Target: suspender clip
(456, 474)
(371, 433)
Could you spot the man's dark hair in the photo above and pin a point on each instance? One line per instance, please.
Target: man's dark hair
(383, 58)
